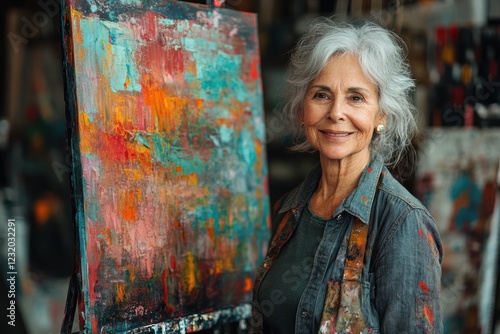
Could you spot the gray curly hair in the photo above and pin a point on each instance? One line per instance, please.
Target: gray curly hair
(382, 56)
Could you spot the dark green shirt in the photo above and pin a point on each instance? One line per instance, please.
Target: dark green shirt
(281, 289)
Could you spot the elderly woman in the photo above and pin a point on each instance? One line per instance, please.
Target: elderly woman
(352, 251)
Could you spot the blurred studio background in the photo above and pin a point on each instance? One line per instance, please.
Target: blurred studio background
(454, 52)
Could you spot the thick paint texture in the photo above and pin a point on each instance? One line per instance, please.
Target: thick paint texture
(170, 147)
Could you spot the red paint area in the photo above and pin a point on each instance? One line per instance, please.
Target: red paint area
(254, 69)
(173, 263)
(423, 286)
(164, 279)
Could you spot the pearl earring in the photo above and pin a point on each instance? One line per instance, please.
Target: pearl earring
(380, 129)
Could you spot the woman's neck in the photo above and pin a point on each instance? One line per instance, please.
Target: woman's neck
(339, 178)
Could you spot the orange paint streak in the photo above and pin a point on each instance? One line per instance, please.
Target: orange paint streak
(133, 175)
(77, 17)
(131, 272)
(174, 109)
(169, 112)
(258, 150)
(127, 205)
(199, 103)
(189, 272)
(430, 239)
(429, 315)
(154, 97)
(224, 264)
(86, 127)
(121, 113)
(120, 292)
(432, 244)
(190, 179)
(127, 82)
(211, 232)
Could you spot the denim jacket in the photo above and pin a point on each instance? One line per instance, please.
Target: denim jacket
(402, 271)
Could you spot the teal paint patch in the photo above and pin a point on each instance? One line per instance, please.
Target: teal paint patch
(112, 47)
(226, 134)
(132, 2)
(246, 149)
(166, 22)
(215, 74)
(142, 139)
(260, 129)
(169, 153)
(194, 44)
(123, 74)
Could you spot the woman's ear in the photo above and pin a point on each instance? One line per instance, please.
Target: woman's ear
(381, 119)
(380, 124)
(301, 118)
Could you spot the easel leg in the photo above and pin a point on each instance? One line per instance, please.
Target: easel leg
(71, 300)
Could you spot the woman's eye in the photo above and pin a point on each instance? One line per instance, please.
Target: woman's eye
(320, 96)
(356, 98)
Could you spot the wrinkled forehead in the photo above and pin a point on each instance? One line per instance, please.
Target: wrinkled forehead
(340, 55)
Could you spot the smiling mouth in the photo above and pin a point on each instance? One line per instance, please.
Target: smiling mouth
(335, 134)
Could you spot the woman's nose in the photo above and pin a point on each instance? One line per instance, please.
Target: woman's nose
(336, 112)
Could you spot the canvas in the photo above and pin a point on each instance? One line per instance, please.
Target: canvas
(165, 117)
(457, 182)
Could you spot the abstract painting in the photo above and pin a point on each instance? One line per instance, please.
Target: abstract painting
(169, 172)
(457, 181)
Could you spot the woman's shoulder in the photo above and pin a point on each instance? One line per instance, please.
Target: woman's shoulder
(398, 215)
(395, 193)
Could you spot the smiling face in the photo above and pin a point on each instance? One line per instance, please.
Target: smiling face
(341, 111)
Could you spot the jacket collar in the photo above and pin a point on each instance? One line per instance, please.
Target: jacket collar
(358, 203)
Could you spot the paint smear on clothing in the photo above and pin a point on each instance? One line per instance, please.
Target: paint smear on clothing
(423, 287)
(429, 314)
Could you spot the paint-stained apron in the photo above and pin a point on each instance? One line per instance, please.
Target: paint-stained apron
(342, 311)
